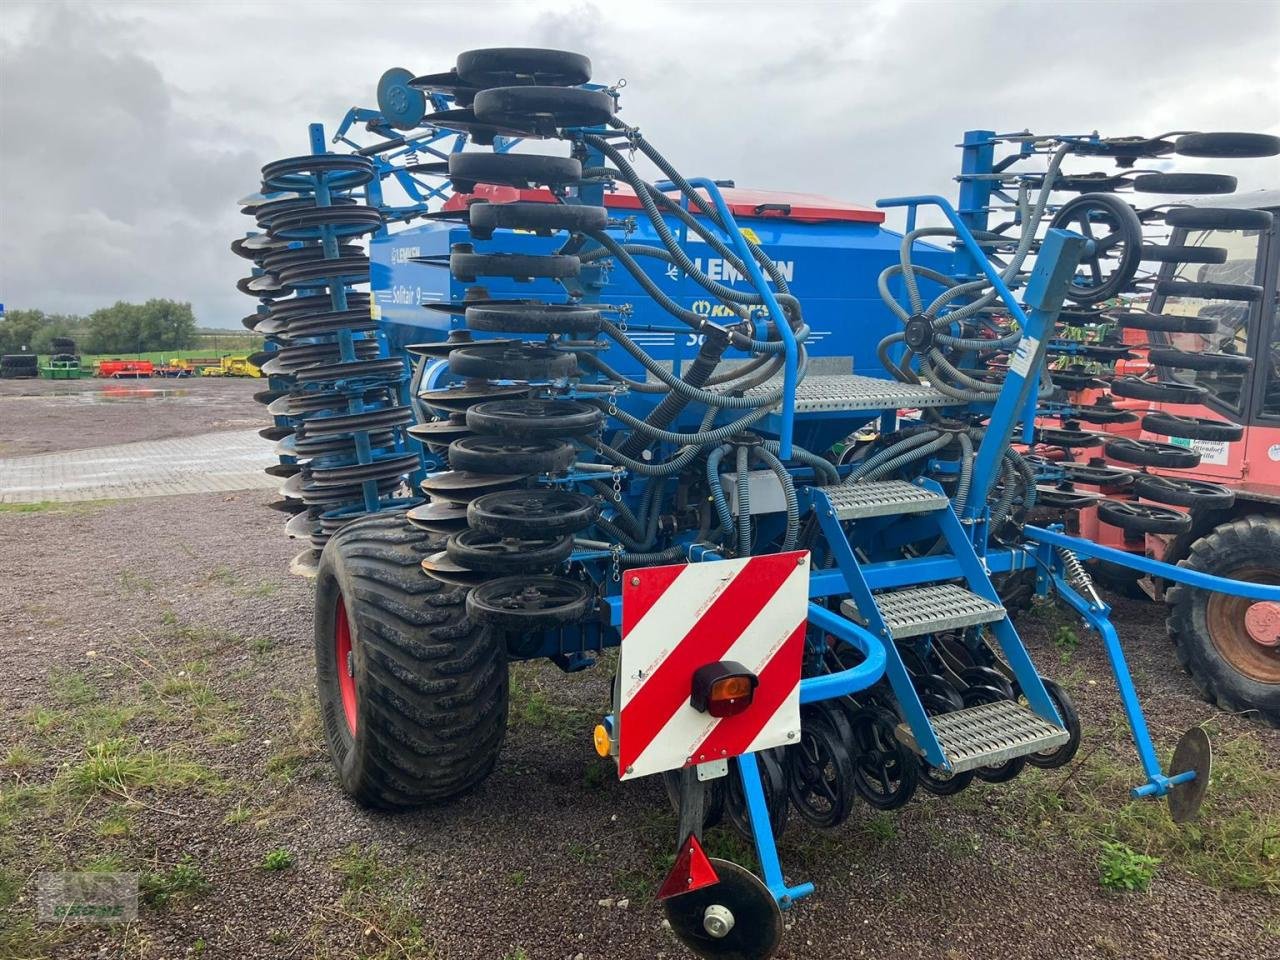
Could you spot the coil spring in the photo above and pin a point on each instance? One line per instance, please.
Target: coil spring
(1078, 575)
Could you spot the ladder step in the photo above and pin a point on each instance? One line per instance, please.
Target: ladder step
(919, 610)
(881, 498)
(989, 733)
(851, 391)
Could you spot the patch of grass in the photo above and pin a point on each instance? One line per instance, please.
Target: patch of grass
(120, 765)
(53, 506)
(881, 825)
(380, 898)
(116, 823)
(71, 688)
(301, 744)
(224, 575)
(1122, 870)
(277, 859)
(530, 706)
(360, 868)
(1066, 640)
(19, 759)
(184, 880)
(135, 583)
(1233, 845)
(43, 720)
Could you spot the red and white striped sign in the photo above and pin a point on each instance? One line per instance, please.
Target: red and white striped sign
(679, 618)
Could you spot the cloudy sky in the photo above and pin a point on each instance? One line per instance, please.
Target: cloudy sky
(128, 130)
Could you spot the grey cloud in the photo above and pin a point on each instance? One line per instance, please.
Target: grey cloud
(129, 130)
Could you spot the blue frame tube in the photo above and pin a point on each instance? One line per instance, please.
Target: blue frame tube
(1165, 571)
(848, 681)
(1098, 617)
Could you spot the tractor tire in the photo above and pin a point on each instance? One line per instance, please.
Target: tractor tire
(1209, 630)
(420, 713)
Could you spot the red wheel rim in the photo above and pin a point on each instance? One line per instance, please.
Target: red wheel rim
(344, 662)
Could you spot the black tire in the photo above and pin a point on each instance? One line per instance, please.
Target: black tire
(499, 455)
(503, 66)
(1127, 236)
(467, 266)
(430, 684)
(1100, 475)
(543, 110)
(1235, 146)
(1246, 292)
(541, 511)
(1153, 253)
(534, 418)
(1196, 494)
(512, 361)
(1164, 391)
(1217, 218)
(1151, 453)
(1228, 668)
(1162, 322)
(512, 170)
(1193, 183)
(1142, 518)
(1205, 360)
(1059, 756)
(534, 318)
(542, 218)
(1191, 428)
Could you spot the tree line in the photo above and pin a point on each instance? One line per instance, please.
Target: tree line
(119, 328)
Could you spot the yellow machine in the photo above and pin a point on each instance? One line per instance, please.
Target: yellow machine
(232, 367)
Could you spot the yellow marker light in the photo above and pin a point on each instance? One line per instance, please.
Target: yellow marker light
(600, 737)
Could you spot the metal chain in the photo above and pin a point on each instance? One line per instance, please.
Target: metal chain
(616, 551)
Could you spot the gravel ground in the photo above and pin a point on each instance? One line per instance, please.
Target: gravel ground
(173, 621)
(44, 415)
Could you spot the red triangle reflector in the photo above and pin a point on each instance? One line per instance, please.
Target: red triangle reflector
(692, 871)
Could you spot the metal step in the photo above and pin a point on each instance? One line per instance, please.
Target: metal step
(920, 610)
(882, 498)
(988, 733)
(851, 391)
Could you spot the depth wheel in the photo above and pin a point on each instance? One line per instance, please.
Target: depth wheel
(413, 694)
(885, 771)
(1230, 645)
(734, 919)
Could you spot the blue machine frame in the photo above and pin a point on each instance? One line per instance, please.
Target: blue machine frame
(859, 567)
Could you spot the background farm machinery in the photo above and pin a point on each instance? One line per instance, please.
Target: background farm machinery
(789, 459)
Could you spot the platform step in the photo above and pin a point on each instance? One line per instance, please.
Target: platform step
(851, 391)
(882, 498)
(919, 610)
(988, 733)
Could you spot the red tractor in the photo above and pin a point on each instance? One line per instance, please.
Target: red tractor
(1200, 391)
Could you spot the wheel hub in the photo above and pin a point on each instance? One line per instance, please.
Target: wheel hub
(717, 921)
(1262, 623)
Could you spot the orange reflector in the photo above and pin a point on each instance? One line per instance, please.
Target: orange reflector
(731, 688)
(692, 871)
(600, 737)
(723, 689)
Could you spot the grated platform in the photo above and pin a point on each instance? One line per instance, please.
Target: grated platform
(920, 610)
(880, 498)
(989, 733)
